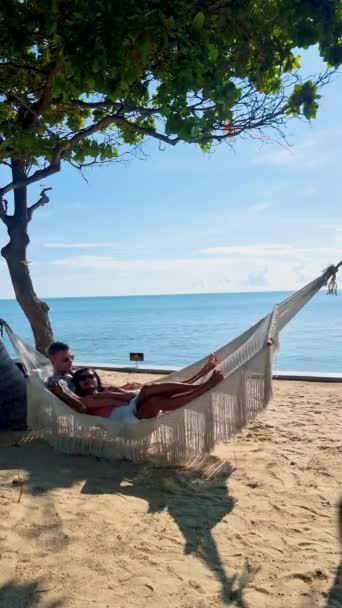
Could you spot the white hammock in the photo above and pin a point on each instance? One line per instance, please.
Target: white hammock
(181, 436)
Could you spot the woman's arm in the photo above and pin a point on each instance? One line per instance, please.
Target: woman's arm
(60, 390)
(107, 399)
(124, 396)
(112, 387)
(129, 386)
(91, 402)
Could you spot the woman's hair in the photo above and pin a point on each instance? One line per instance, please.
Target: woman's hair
(77, 377)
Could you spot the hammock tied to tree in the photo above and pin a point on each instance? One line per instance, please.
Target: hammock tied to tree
(190, 432)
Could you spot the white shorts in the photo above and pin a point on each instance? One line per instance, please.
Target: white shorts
(125, 413)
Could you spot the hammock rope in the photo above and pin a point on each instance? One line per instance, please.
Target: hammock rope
(184, 435)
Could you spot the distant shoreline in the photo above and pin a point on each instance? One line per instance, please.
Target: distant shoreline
(160, 295)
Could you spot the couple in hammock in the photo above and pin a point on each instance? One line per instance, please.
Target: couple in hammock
(84, 392)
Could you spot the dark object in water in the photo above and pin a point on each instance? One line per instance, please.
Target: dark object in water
(13, 406)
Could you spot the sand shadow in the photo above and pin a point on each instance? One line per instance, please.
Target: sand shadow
(196, 504)
(335, 593)
(23, 595)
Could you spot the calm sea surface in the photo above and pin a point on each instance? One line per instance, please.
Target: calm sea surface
(176, 330)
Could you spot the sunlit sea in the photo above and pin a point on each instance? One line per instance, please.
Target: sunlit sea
(175, 330)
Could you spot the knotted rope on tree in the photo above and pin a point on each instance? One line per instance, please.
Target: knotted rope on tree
(330, 281)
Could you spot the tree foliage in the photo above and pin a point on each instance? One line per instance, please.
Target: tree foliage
(81, 80)
(80, 77)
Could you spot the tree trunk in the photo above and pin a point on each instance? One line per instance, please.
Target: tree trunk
(12, 393)
(14, 253)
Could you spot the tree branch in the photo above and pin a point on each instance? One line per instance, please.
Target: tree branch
(79, 168)
(20, 66)
(3, 211)
(45, 97)
(120, 122)
(55, 164)
(52, 168)
(123, 122)
(258, 117)
(34, 110)
(120, 107)
(44, 199)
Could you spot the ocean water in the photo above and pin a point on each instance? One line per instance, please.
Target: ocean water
(175, 330)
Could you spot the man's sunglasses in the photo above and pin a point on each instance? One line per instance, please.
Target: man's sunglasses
(68, 359)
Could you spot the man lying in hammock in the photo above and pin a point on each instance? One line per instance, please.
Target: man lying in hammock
(61, 358)
(129, 406)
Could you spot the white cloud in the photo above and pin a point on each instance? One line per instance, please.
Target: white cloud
(102, 262)
(222, 269)
(260, 207)
(271, 251)
(301, 156)
(99, 245)
(233, 268)
(315, 149)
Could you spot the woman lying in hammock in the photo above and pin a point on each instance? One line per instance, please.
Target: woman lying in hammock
(129, 406)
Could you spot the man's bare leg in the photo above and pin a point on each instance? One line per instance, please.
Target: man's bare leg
(151, 406)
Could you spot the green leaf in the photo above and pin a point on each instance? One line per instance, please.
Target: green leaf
(213, 53)
(296, 62)
(198, 21)
(169, 23)
(206, 147)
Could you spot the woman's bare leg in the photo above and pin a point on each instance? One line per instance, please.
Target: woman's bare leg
(209, 365)
(150, 407)
(165, 389)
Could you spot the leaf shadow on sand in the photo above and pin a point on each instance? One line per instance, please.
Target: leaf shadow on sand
(23, 595)
(196, 502)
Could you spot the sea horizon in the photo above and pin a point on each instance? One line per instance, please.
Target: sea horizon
(158, 295)
(173, 330)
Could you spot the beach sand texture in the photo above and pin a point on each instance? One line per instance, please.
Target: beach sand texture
(86, 533)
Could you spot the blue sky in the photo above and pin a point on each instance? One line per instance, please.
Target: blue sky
(261, 217)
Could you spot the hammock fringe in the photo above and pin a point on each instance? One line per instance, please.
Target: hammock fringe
(183, 436)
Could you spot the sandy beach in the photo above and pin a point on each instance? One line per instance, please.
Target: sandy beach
(78, 532)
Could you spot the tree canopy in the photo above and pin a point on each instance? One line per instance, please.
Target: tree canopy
(81, 80)
(79, 77)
